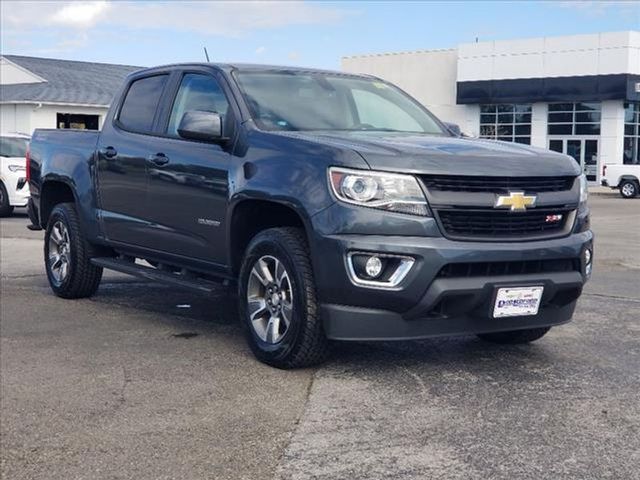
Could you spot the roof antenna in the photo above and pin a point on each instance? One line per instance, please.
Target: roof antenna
(206, 54)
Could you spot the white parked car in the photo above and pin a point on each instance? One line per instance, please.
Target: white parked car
(14, 188)
(625, 178)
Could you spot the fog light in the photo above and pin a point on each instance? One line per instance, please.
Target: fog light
(378, 270)
(373, 267)
(588, 261)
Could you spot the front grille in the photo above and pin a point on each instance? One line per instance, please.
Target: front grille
(520, 267)
(451, 183)
(502, 223)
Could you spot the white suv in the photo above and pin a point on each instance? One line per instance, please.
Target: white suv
(14, 188)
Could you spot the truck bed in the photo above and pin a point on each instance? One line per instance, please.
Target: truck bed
(63, 156)
(57, 151)
(50, 144)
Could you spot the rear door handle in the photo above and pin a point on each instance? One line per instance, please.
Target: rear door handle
(109, 152)
(159, 159)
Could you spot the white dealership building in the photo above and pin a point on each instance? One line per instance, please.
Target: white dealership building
(574, 94)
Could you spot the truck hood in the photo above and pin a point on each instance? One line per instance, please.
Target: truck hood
(426, 154)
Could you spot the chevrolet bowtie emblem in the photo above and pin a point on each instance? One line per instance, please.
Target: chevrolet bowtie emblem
(518, 201)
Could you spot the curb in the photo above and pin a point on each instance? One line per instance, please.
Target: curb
(603, 192)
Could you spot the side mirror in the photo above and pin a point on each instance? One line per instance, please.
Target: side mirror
(199, 125)
(454, 128)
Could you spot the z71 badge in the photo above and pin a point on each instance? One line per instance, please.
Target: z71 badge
(208, 222)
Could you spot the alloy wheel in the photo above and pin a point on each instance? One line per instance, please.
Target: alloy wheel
(269, 299)
(59, 252)
(628, 190)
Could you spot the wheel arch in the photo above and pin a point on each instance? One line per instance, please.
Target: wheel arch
(628, 178)
(250, 216)
(54, 192)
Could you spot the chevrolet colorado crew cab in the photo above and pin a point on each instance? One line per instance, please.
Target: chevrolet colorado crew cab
(339, 206)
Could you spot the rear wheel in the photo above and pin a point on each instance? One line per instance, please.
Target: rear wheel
(67, 255)
(277, 300)
(5, 208)
(628, 189)
(515, 337)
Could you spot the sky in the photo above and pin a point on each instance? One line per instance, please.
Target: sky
(306, 33)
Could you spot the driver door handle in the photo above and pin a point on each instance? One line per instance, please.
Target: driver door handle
(109, 152)
(159, 159)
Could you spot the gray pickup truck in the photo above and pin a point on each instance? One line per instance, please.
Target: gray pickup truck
(339, 207)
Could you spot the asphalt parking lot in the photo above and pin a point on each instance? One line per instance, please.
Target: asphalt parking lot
(146, 382)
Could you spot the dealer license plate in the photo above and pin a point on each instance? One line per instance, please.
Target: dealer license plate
(517, 301)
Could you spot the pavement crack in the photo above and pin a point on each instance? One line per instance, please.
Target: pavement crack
(126, 379)
(419, 382)
(615, 297)
(278, 473)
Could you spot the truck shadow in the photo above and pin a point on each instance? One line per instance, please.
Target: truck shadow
(194, 314)
(207, 310)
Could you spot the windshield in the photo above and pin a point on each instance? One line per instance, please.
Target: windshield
(13, 147)
(293, 101)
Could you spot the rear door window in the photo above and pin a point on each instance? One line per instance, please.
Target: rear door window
(141, 102)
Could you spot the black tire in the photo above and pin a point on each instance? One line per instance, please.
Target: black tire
(628, 189)
(515, 337)
(82, 278)
(5, 208)
(304, 342)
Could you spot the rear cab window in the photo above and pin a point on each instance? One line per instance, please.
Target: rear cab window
(138, 110)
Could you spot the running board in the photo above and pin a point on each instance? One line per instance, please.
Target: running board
(150, 273)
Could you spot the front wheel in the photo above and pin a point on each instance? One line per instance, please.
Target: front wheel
(628, 189)
(515, 337)
(67, 255)
(278, 305)
(5, 207)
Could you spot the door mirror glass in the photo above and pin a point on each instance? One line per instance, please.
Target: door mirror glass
(199, 125)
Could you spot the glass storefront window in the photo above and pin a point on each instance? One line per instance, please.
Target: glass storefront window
(506, 122)
(631, 145)
(573, 119)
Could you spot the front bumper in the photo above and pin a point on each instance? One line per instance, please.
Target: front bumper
(427, 304)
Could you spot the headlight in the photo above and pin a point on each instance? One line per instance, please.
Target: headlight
(387, 191)
(17, 168)
(584, 191)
